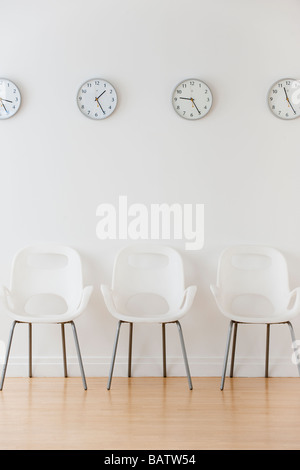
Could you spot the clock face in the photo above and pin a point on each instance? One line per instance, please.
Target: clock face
(192, 99)
(97, 98)
(10, 98)
(284, 98)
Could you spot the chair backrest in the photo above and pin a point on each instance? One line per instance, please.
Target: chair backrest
(149, 269)
(47, 269)
(253, 271)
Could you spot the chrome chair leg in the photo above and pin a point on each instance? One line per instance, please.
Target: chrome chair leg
(114, 355)
(130, 349)
(7, 353)
(184, 355)
(294, 342)
(226, 354)
(267, 350)
(233, 348)
(64, 348)
(30, 348)
(79, 355)
(163, 325)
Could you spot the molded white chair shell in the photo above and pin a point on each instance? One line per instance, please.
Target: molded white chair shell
(148, 287)
(153, 271)
(45, 277)
(253, 287)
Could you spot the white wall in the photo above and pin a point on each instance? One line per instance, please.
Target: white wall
(57, 166)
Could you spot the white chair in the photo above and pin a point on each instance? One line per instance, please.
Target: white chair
(253, 287)
(46, 287)
(148, 287)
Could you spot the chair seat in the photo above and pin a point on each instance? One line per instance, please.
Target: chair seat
(25, 318)
(64, 313)
(281, 317)
(170, 316)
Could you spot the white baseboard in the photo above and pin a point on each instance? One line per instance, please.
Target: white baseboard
(150, 366)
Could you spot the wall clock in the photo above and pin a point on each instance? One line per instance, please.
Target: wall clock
(97, 98)
(192, 99)
(283, 98)
(10, 98)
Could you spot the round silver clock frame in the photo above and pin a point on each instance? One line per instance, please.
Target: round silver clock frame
(97, 98)
(10, 98)
(192, 99)
(281, 99)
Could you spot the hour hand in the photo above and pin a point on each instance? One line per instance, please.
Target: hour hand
(96, 99)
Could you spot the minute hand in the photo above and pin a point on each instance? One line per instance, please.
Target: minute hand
(193, 101)
(96, 99)
(287, 98)
(3, 105)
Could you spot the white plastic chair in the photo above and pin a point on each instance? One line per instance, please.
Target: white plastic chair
(46, 277)
(253, 287)
(148, 287)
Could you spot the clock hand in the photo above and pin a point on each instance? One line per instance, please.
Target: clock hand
(3, 105)
(96, 99)
(193, 101)
(287, 98)
(292, 107)
(2, 99)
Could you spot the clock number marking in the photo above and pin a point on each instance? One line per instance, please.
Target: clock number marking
(99, 98)
(10, 99)
(281, 99)
(195, 99)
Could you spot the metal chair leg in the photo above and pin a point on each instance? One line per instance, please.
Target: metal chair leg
(164, 349)
(64, 349)
(114, 354)
(130, 349)
(233, 348)
(7, 353)
(79, 355)
(226, 354)
(184, 355)
(294, 342)
(30, 348)
(267, 350)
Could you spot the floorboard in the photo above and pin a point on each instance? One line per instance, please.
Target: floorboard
(150, 414)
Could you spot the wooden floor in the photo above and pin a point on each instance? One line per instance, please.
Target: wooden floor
(150, 414)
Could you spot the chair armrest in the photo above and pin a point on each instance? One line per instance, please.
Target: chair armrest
(86, 294)
(6, 298)
(296, 307)
(215, 290)
(188, 298)
(108, 298)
